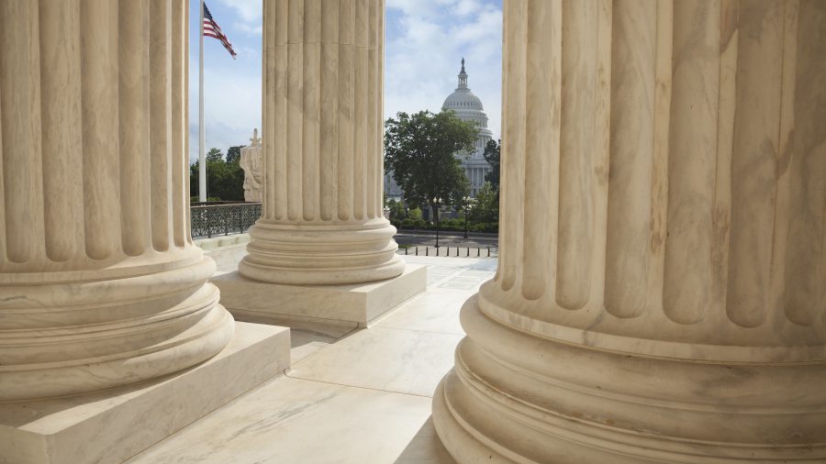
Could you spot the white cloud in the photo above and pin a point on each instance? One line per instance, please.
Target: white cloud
(442, 9)
(250, 11)
(248, 53)
(249, 29)
(425, 41)
(232, 109)
(468, 7)
(427, 38)
(250, 15)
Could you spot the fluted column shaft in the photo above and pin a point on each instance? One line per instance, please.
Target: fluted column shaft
(660, 295)
(100, 284)
(322, 219)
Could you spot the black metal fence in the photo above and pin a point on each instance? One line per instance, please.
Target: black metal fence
(211, 220)
(447, 251)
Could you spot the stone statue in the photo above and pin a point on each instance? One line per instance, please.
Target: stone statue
(251, 163)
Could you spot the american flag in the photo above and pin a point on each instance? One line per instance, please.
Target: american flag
(211, 29)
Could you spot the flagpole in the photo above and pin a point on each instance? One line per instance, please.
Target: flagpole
(202, 175)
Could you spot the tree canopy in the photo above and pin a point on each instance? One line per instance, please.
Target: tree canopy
(421, 151)
(214, 155)
(234, 154)
(397, 210)
(491, 154)
(225, 179)
(486, 209)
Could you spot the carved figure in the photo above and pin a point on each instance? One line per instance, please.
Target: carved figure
(251, 163)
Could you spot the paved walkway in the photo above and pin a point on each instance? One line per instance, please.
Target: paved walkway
(362, 398)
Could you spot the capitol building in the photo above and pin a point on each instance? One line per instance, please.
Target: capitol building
(468, 107)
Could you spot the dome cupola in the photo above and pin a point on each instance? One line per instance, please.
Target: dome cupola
(468, 107)
(463, 99)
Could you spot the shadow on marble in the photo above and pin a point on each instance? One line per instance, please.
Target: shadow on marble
(304, 343)
(111, 426)
(295, 421)
(433, 311)
(51, 414)
(386, 359)
(425, 448)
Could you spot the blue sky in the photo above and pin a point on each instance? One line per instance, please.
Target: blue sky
(425, 41)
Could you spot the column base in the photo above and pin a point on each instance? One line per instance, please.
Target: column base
(114, 425)
(85, 331)
(307, 306)
(343, 254)
(517, 398)
(227, 251)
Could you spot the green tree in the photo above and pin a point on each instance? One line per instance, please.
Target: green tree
(421, 151)
(234, 154)
(491, 154)
(397, 210)
(486, 209)
(194, 176)
(214, 155)
(225, 180)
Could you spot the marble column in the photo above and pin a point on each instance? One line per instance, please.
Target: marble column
(661, 291)
(100, 284)
(322, 220)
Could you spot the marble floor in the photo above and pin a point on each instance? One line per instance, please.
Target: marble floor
(362, 397)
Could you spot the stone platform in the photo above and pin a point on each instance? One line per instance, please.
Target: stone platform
(312, 307)
(112, 426)
(363, 398)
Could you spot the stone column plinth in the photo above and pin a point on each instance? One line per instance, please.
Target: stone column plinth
(661, 291)
(100, 284)
(322, 220)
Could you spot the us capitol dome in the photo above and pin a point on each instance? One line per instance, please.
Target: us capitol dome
(468, 107)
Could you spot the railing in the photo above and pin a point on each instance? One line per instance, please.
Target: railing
(446, 251)
(211, 220)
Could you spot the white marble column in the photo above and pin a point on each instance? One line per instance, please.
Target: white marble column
(661, 291)
(322, 220)
(100, 284)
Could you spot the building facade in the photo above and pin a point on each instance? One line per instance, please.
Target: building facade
(468, 107)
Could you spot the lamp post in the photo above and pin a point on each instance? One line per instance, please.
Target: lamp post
(436, 203)
(467, 213)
